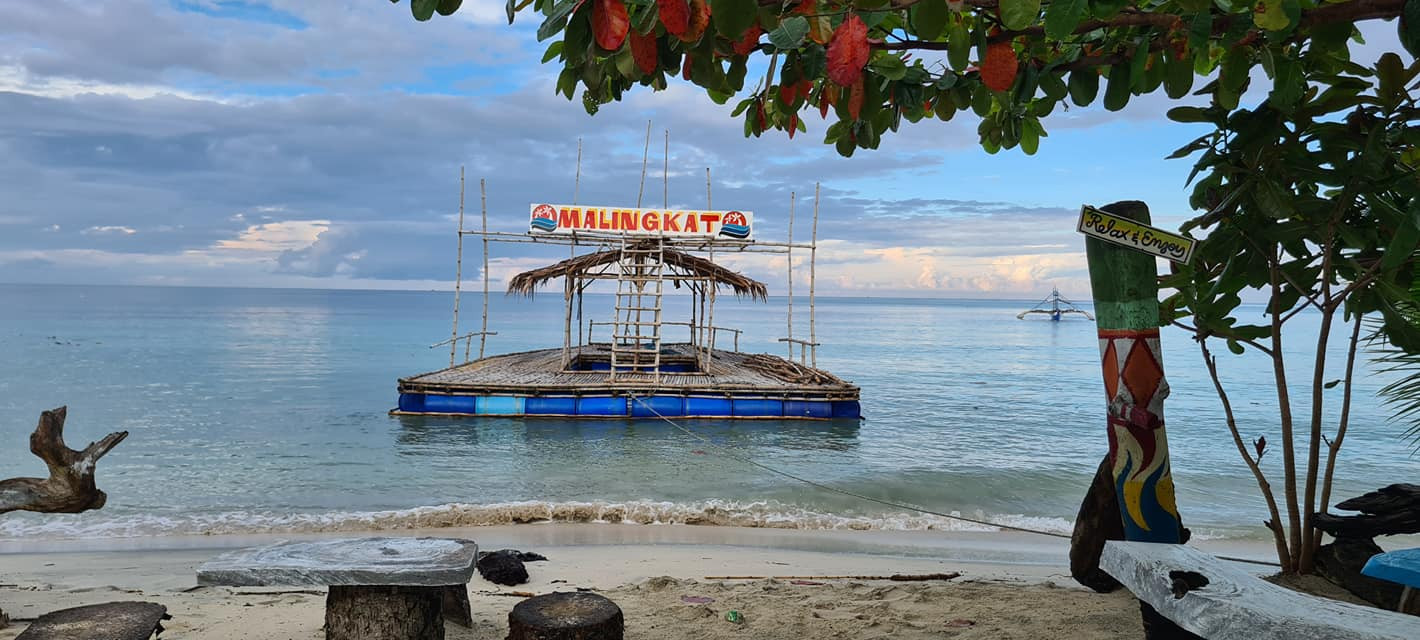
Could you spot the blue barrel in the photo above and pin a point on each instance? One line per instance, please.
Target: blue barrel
(550, 406)
(847, 409)
(450, 404)
(808, 409)
(657, 406)
(411, 402)
(708, 407)
(500, 405)
(758, 408)
(601, 406)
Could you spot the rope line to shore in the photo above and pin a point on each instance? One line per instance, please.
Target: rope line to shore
(727, 452)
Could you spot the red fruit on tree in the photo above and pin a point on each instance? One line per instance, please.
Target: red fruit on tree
(998, 70)
(793, 125)
(643, 51)
(848, 52)
(610, 23)
(675, 14)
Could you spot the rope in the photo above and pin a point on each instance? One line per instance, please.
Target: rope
(897, 505)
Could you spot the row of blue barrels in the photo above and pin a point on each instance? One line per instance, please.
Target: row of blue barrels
(625, 406)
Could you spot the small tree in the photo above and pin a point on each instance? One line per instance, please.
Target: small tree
(1309, 197)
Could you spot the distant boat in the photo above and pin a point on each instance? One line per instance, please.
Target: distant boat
(1055, 306)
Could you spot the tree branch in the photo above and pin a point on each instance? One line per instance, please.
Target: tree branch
(70, 487)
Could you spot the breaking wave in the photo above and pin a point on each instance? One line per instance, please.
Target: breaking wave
(758, 514)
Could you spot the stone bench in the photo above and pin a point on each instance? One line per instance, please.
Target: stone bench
(1221, 601)
(380, 588)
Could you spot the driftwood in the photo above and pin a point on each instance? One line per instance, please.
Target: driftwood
(1221, 601)
(566, 616)
(110, 621)
(896, 577)
(70, 487)
(1389, 511)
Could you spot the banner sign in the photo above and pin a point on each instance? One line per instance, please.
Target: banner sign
(1140, 237)
(567, 219)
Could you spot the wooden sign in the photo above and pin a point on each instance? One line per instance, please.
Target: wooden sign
(1140, 237)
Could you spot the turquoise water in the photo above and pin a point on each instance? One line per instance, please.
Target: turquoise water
(266, 410)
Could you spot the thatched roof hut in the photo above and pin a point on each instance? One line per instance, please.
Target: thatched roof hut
(681, 266)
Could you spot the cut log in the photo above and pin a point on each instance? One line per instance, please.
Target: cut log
(110, 621)
(1221, 601)
(384, 613)
(566, 616)
(70, 487)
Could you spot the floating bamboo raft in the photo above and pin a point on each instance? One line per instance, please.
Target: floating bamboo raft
(534, 383)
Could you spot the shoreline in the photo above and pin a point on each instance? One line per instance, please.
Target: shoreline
(1012, 585)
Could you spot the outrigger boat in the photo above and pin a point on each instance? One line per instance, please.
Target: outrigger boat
(635, 371)
(1058, 306)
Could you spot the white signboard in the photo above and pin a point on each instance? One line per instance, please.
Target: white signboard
(564, 219)
(1140, 237)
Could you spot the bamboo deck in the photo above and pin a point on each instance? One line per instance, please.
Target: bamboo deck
(540, 372)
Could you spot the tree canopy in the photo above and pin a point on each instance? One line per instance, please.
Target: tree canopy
(874, 63)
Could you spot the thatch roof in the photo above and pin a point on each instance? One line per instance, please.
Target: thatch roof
(679, 263)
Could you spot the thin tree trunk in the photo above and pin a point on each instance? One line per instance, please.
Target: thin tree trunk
(1284, 406)
(1335, 446)
(1309, 544)
(1275, 524)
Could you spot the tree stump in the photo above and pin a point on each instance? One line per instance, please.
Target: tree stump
(384, 613)
(566, 616)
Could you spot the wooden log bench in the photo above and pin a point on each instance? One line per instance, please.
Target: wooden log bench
(380, 588)
(107, 621)
(1222, 601)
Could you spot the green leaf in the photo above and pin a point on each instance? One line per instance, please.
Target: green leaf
(1062, 16)
(1116, 92)
(929, 18)
(1019, 14)
(888, 66)
(510, 7)
(423, 9)
(1288, 85)
(448, 7)
(1235, 347)
(1332, 384)
(813, 60)
(1053, 85)
(1084, 86)
(733, 17)
(553, 50)
(1188, 114)
(1409, 27)
(790, 34)
(959, 46)
(1406, 239)
(1178, 76)
(557, 20)
(1268, 14)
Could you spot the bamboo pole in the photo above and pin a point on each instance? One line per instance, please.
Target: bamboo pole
(483, 204)
(813, 277)
(790, 259)
(458, 278)
(567, 326)
(710, 319)
(645, 155)
(1125, 288)
(666, 174)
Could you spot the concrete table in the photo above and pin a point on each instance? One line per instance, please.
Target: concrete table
(1401, 567)
(389, 588)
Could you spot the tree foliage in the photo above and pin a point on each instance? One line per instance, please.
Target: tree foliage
(875, 63)
(1313, 201)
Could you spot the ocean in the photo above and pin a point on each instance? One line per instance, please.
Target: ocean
(266, 410)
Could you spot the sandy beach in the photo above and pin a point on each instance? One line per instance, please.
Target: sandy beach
(1012, 585)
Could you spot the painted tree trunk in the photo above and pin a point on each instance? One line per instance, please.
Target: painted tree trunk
(1125, 287)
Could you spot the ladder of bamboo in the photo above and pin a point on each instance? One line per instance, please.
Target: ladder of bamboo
(636, 333)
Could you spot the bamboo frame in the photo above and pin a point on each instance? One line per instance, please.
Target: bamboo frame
(458, 279)
(789, 258)
(483, 204)
(813, 276)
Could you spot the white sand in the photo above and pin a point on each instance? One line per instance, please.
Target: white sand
(1013, 585)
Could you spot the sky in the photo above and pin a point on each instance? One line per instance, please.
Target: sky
(318, 143)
